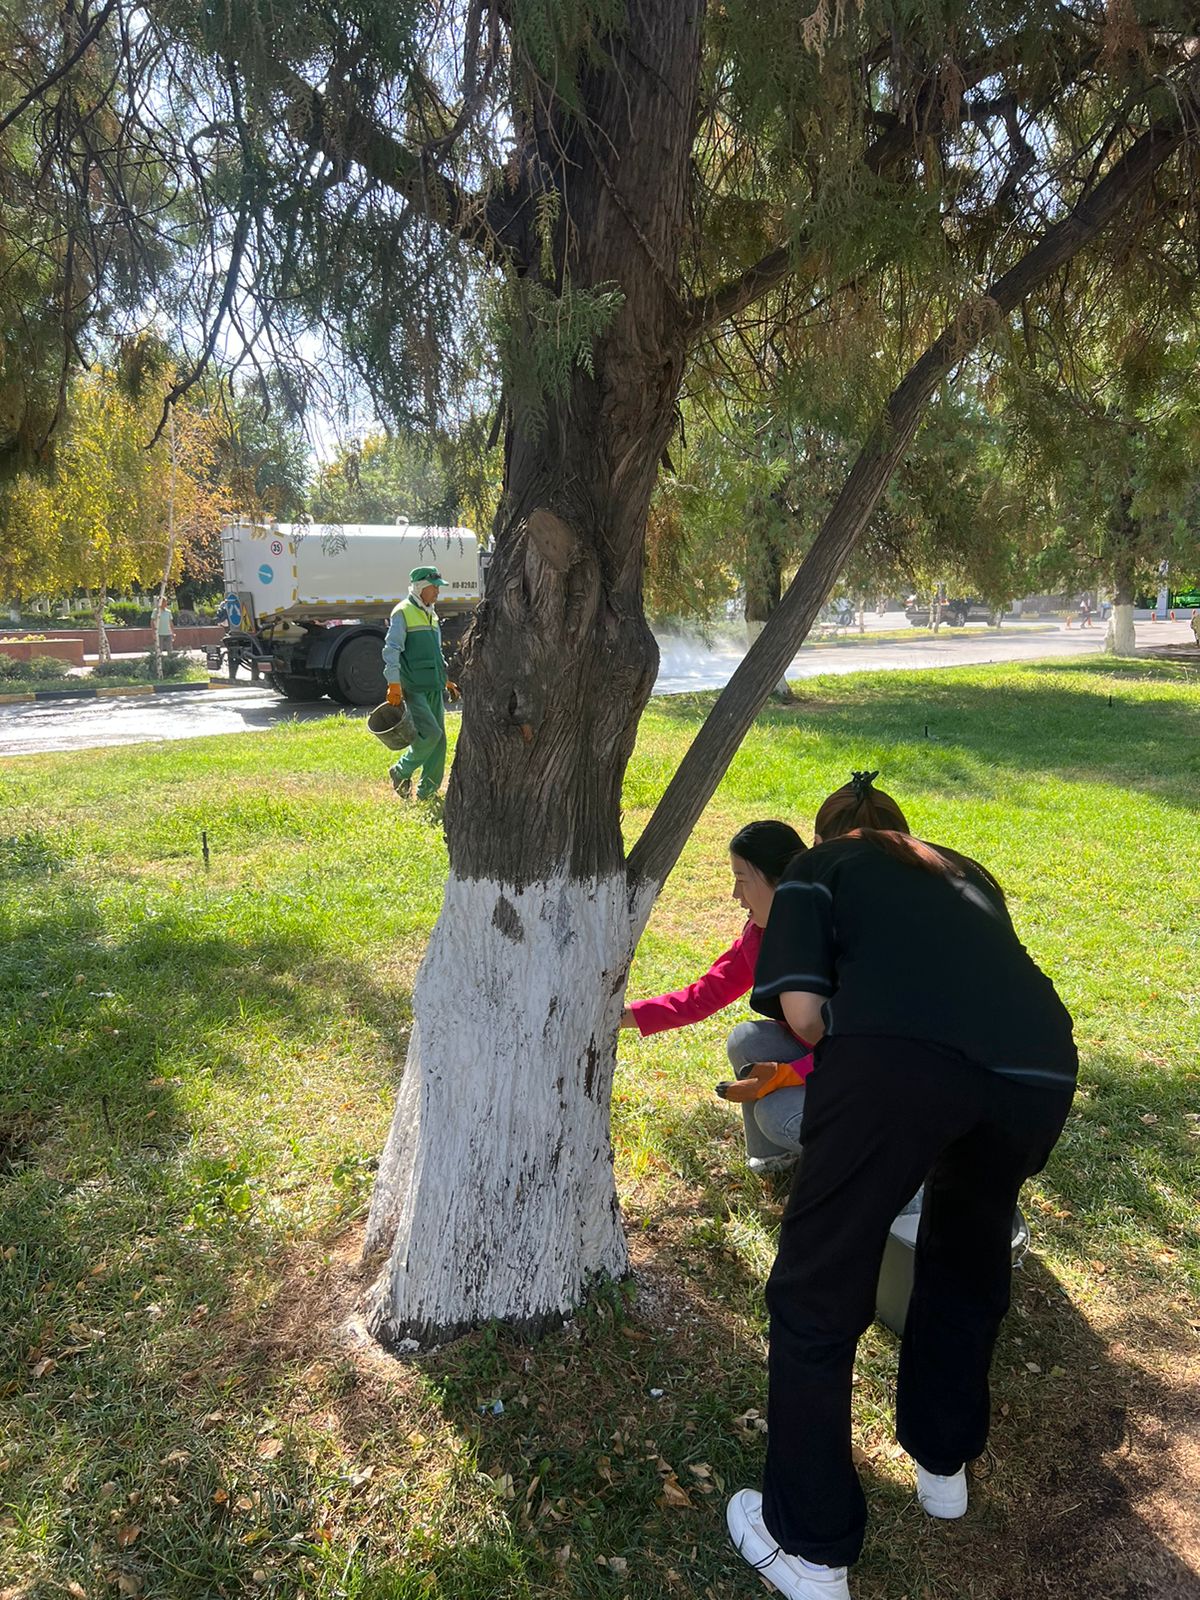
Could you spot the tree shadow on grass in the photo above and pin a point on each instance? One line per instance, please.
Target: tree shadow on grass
(124, 1242)
(1091, 1482)
(97, 1015)
(1100, 729)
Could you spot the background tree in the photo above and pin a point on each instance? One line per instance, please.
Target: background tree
(443, 479)
(109, 513)
(1107, 442)
(610, 194)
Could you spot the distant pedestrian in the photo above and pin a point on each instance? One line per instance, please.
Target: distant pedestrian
(1085, 611)
(161, 621)
(415, 670)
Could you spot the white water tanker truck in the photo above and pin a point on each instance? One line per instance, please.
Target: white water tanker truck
(307, 604)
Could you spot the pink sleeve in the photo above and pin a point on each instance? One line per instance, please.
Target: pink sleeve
(728, 979)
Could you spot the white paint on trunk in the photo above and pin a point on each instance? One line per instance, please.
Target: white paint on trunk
(495, 1194)
(1120, 639)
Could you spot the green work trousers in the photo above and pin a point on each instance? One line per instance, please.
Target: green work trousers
(427, 711)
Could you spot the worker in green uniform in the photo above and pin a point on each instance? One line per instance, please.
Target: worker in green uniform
(415, 670)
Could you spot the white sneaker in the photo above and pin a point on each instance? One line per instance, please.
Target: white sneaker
(795, 1578)
(780, 1163)
(942, 1497)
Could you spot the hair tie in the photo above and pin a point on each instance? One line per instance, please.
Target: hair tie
(861, 783)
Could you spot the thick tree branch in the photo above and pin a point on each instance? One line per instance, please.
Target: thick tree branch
(488, 221)
(766, 662)
(82, 45)
(929, 114)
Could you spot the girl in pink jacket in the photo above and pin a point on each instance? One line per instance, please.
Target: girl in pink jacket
(758, 854)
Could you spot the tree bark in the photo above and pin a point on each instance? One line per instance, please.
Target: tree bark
(496, 1195)
(764, 587)
(102, 645)
(1120, 638)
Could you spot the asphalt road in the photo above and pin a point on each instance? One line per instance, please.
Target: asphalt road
(40, 726)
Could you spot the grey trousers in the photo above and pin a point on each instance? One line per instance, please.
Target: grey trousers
(772, 1123)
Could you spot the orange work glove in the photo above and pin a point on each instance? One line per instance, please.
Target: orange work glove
(452, 689)
(762, 1079)
(395, 695)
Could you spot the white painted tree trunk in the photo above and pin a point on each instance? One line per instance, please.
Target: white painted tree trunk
(1121, 639)
(495, 1192)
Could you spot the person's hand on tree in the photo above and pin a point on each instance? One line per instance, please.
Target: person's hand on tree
(627, 1018)
(453, 690)
(395, 695)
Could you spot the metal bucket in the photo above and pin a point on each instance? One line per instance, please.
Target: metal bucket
(392, 726)
(896, 1272)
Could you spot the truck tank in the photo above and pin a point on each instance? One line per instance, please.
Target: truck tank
(308, 603)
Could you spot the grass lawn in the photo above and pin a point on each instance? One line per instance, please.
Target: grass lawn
(199, 1069)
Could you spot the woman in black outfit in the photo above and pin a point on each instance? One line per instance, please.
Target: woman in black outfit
(945, 1057)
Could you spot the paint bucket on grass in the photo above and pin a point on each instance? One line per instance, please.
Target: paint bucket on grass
(392, 726)
(896, 1272)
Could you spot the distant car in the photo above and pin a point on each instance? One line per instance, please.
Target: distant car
(957, 612)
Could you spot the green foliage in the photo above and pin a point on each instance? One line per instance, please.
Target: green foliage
(206, 1065)
(127, 614)
(544, 337)
(443, 480)
(48, 668)
(175, 664)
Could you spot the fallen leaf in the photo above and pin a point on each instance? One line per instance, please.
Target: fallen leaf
(268, 1449)
(673, 1492)
(129, 1583)
(107, 1490)
(77, 1590)
(128, 1535)
(617, 1564)
(177, 1458)
(562, 1555)
(220, 1496)
(361, 1476)
(243, 1503)
(43, 1368)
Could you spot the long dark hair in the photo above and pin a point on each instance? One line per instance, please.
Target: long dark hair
(859, 811)
(858, 805)
(769, 846)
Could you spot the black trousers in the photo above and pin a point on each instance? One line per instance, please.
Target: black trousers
(881, 1117)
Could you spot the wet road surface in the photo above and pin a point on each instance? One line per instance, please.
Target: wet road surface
(35, 727)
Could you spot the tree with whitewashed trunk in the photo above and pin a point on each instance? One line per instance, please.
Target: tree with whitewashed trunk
(495, 1196)
(578, 203)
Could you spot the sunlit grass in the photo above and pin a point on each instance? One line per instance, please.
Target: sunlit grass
(200, 1063)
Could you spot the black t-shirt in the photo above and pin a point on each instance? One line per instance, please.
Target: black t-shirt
(905, 953)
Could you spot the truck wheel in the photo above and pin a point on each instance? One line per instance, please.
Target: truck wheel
(358, 671)
(296, 688)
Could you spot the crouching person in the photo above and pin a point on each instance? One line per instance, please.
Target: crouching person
(759, 854)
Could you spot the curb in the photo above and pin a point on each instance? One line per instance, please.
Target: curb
(107, 692)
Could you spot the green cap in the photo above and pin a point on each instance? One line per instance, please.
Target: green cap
(424, 575)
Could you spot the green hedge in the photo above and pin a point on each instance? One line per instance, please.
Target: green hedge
(44, 668)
